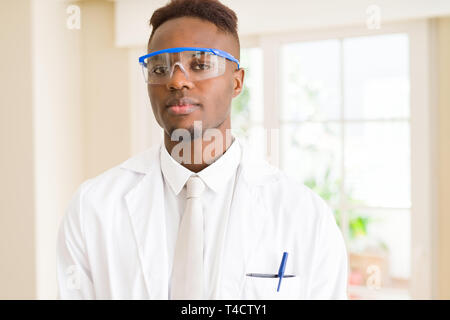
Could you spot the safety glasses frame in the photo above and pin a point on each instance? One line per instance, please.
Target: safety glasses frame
(217, 52)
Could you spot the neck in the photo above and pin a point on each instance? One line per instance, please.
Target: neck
(198, 153)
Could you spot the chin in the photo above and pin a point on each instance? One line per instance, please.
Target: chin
(186, 132)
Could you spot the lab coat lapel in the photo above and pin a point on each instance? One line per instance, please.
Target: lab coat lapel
(245, 223)
(146, 209)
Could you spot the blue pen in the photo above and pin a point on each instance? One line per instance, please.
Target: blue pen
(281, 270)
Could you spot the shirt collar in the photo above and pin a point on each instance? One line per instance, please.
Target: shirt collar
(215, 176)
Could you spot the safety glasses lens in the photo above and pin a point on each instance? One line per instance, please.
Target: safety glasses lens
(196, 65)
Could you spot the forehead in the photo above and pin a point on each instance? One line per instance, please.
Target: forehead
(191, 32)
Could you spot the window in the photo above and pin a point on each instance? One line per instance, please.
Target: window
(345, 133)
(247, 111)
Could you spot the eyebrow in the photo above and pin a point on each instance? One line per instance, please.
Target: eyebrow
(156, 58)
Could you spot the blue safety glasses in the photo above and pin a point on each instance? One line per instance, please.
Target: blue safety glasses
(196, 64)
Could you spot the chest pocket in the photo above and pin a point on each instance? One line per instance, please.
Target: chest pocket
(266, 288)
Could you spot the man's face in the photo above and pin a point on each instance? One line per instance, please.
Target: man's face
(213, 95)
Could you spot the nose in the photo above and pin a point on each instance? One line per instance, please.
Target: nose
(179, 79)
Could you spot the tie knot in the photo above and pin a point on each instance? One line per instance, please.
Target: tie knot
(195, 187)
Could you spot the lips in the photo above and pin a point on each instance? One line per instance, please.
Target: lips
(183, 110)
(182, 106)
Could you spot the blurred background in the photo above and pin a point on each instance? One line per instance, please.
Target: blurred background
(352, 97)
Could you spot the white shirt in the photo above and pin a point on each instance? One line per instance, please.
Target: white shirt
(219, 178)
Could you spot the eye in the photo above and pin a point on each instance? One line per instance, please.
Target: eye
(201, 66)
(159, 70)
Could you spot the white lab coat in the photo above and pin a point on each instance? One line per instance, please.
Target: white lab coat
(112, 239)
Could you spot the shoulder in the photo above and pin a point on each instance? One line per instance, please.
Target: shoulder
(295, 195)
(284, 195)
(277, 184)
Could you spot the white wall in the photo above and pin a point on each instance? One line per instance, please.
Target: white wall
(81, 114)
(57, 125)
(443, 156)
(145, 131)
(17, 247)
(105, 90)
(64, 117)
(261, 17)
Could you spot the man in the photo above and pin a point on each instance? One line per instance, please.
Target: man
(198, 217)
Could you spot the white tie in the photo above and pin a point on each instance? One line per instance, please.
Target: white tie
(187, 271)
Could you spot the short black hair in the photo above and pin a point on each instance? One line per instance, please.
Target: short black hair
(210, 10)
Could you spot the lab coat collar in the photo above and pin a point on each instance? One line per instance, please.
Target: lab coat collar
(256, 171)
(215, 176)
(174, 173)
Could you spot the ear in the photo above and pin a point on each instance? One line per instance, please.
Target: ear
(238, 82)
